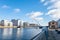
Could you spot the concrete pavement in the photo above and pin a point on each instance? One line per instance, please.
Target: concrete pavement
(53, 35)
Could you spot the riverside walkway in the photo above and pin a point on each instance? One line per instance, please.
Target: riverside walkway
(53, 35)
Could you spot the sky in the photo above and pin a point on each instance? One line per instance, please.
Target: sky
(36, 11)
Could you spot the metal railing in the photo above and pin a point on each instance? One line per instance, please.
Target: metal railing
(42, 35)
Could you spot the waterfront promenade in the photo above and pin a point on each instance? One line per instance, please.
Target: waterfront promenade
(53, 35)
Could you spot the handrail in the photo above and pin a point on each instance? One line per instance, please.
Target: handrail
(44, 30)
(37, 35)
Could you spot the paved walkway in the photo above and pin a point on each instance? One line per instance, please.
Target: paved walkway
(53, 35)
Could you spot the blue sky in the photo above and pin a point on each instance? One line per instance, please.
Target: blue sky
(37, 11)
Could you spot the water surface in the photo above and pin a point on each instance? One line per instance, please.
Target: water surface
(18, 33)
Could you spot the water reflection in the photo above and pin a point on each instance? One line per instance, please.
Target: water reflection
(1, 33)
(18, 33)
(7, 33)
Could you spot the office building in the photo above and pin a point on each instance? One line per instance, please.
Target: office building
(17, 22)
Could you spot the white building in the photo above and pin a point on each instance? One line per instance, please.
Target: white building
(17, 22)
(6, 23)
(10, 24)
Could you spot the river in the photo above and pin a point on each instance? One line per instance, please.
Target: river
(18, 33)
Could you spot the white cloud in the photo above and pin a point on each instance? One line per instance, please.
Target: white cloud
(39, 19)
(54, 9)
(42, 0)
(16, 10)
(54, 0)
(55, 5)
(34, 14)
(55, 13)
(5, 6)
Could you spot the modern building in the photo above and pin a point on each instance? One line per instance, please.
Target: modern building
(17, 22)
(22, 23)
(10, 24)
(53, 24)
(6, 23)
(58, 23)
(25, 24)
(33, 25)
(0, 23)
